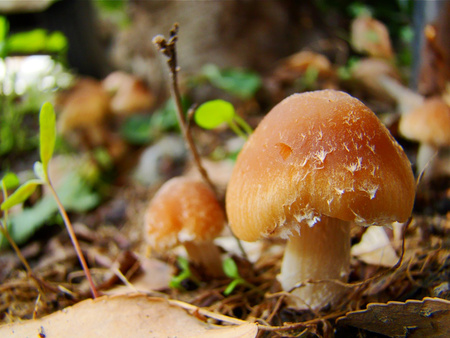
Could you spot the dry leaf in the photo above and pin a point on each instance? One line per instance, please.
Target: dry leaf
(414, 318)
(375, 248)
(154, 275)
(124, 316)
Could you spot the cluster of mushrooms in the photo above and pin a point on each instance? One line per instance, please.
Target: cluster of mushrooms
(318, 162)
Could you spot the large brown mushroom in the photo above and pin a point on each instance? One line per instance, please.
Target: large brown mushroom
(317, 162)
(185, 211)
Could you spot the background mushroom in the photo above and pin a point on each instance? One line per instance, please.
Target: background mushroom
(317, 162)
(428, 124)
(185, 211)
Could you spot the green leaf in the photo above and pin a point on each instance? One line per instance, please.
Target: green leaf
(183, 263)
(28, 42)
(143, 129)
(6, 139)
(230, 288)
(185, 273)
(24, 224)
(358, 9)
(137, 129)
(213, 113)
(56, 42)
(230, 268)
(4, 29)
(47, 134)
(21, 194)
(241, 83)
(75, 195)
(10, 180)
(37, 40)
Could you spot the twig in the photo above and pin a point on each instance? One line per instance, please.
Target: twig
(207, 313)
(74, 240)
(299, 325)
(168, 48)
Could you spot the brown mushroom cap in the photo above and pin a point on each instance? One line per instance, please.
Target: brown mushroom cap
(318, 153)
(183, 210)
(428, 123)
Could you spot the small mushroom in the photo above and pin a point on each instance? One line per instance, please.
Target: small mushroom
(371, 37)
(129, 93)
(185, 211)
(428, 124)
(317, 162)
(84, 110)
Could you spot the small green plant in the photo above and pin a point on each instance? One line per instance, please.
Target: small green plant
(10, 181)
(47, 137)
(240, 83)
(213, 113)
(231, 270)
(176, 281)
(143, 129)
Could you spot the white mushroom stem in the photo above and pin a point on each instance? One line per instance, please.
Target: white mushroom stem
(318, 253)
(425, 157)
(406, 98)
(207, 256)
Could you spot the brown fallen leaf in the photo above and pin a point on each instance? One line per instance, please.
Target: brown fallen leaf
(124, 316)
(429, 317)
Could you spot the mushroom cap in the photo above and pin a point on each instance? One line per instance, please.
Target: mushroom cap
(182, 210)
(318, 153)
(428, 123)
(129, 93)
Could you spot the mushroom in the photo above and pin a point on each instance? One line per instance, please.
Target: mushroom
(84, 110)
(185, 211)
(317, 162)
(366, 73)
(371, 37)
(428, 124)
(129, 93)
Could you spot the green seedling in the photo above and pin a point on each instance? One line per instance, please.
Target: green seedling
(47, 137)
(231, 270)
(143, 129)
(176, 281)
(213, 113)
(10, 181)
(240, 83)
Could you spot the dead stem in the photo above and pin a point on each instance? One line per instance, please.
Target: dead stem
(74, 240)
(206, 313)
(30, 273)
(168, 49)
(299, 325)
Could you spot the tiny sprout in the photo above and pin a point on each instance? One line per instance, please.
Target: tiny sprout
(176, 281)
(47, 138)
(213, 113)
(231, 270)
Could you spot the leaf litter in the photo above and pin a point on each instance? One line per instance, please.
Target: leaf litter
(407, 298)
